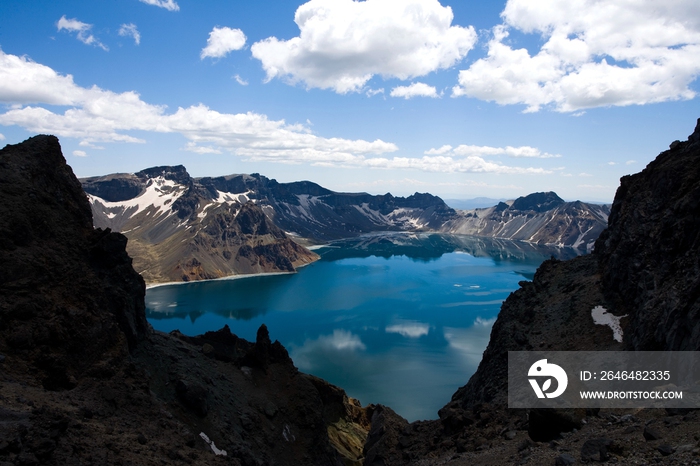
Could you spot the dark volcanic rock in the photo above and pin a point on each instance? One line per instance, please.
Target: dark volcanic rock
(85, 381)
(649, 253)
(69, 298)
(596, 450)
(547, 424)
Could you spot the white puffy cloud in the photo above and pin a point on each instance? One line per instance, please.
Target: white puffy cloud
(221, 41)
(130, 30)
(481, 151)
(97, 115)
(2, 137)
(82, 30)
(595, 53)
(23, 81)
(414, 90)
(343, 43)
(240, 80)
(443, 164)
(80, 153)
(169, 5)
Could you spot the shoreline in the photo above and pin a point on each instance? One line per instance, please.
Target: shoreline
(230, 277)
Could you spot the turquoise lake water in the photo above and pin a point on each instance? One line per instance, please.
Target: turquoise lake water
(395, 319)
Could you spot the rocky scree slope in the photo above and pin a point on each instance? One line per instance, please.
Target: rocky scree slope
(179, 230)
(85, 380)
(540, 218)
(645, 265)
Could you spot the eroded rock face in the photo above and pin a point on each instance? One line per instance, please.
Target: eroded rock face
(69, 298)
(649, 253)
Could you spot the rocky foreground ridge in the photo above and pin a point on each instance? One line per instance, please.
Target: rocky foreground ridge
(182, 228)
(85, 381)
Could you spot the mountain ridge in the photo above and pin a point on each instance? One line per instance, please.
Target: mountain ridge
(165, 213)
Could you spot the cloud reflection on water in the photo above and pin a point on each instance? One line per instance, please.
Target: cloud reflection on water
(409, 329)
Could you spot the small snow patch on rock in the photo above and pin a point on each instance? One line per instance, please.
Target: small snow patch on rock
(216, 451)
(601, 316)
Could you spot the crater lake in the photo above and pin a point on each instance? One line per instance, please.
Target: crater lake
(397, 319)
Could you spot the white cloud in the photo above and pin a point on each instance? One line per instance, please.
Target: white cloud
(130, 30)
(240, 80)
(414, 90)
(612, 163)
(2, 137)
(222, 41)
(595, 53)
(79, 153)
(90, 145)
(481, 151)
(193, 147)
(169, 5)
(343, 43)
(630, 162)
(97, 115)
(443, 164)
(373, 92)
(82, 30)
(442, 150)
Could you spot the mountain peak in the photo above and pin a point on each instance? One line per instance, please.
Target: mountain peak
(177, 173)
(538, 202)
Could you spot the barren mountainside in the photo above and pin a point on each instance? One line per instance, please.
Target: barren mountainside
(541, 218)
(182, 228)
(179, 230)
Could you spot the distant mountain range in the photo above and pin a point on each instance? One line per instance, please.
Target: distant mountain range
(541, 218)
(185, 228)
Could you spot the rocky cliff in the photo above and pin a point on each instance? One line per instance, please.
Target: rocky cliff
(85, 380)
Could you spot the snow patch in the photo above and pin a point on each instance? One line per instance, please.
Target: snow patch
(601, 316)
(216, 451)
(160, 193)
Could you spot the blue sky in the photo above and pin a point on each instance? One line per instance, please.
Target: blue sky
(460, 99)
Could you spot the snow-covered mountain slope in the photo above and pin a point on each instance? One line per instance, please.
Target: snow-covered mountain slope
(179, 231)
(308, 210)
(183, 228)
(541, 218)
